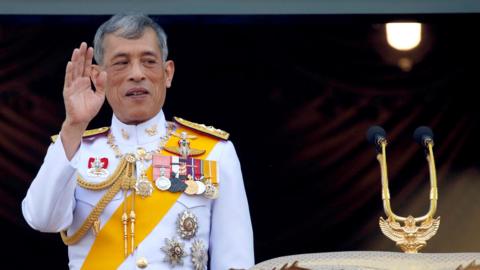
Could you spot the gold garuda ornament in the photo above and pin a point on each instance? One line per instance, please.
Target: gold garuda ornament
(410, 237)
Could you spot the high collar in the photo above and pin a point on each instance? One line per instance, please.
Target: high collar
(139, 134)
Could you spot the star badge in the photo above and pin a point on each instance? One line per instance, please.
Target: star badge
(199, 255)
(174, 252)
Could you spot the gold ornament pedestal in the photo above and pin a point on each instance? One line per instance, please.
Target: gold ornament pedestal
(415, 231)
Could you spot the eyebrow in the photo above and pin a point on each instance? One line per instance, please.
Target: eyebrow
(149, 53)
(120, 54)
(145, 53)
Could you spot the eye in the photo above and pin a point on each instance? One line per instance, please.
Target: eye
(150, 61)
(120, 63)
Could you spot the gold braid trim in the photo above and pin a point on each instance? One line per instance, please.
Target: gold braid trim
(105, 184)
(98, 209)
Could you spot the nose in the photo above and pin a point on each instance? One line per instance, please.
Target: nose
(136, 73)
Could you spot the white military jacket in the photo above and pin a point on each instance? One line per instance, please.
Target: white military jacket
(54, 202)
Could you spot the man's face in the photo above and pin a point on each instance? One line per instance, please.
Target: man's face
(137, 78)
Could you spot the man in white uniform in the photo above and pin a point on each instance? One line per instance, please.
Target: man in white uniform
(144, 193)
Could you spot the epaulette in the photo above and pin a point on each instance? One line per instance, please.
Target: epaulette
(203, 128)
(87, 133)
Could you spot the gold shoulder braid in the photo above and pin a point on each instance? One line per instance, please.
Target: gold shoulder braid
(86, 134)
(121, 177)
(203, 128)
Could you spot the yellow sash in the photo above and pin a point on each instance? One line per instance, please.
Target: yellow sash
(107, 251)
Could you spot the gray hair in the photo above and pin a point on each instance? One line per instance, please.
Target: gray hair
(131, 26)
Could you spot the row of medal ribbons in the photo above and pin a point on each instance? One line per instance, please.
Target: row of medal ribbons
(189, 175)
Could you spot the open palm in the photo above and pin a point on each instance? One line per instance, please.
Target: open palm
(82, 103)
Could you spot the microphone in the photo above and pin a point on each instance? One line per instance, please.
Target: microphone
(376, 135)
(423, 135)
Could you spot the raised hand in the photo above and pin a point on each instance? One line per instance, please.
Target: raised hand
(82, 103)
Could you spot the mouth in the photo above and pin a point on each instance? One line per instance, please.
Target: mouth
(136, 92)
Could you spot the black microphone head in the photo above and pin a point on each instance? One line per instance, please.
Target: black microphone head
(422, 133)
(374, 133)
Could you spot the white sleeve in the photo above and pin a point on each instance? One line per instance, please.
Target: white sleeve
(49, 203)
(231, 236)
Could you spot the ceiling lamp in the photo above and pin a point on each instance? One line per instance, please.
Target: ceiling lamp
(404, 36)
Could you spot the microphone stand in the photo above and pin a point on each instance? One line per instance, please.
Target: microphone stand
(409, 237)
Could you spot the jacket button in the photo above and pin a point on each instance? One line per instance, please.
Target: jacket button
(142, 263)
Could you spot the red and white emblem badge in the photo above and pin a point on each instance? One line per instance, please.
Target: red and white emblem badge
(97, 167)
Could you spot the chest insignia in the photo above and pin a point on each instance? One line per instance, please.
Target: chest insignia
(97, 167)
(183, 149)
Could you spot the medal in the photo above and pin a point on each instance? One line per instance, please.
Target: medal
(143, 187)
(161, 171)
(199, 255)
(188, 175)
(211, 191)
(194, 173)
(174, 252)
(187, 225)
(201, 187)
(163, 183)
(177, 185)
(192, 187)
(97, 167)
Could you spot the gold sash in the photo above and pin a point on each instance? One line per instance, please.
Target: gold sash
(107, 251)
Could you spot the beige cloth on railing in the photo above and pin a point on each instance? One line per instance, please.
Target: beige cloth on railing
(373, 260)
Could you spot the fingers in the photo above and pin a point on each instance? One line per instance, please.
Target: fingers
(74, 63)
(88, 62)
(80, 64)
(68, 75)
(79, 59)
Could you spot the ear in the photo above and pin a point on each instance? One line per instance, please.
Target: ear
(169, 71)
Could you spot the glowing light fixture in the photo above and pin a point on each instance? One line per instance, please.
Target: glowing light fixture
(404, 36)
